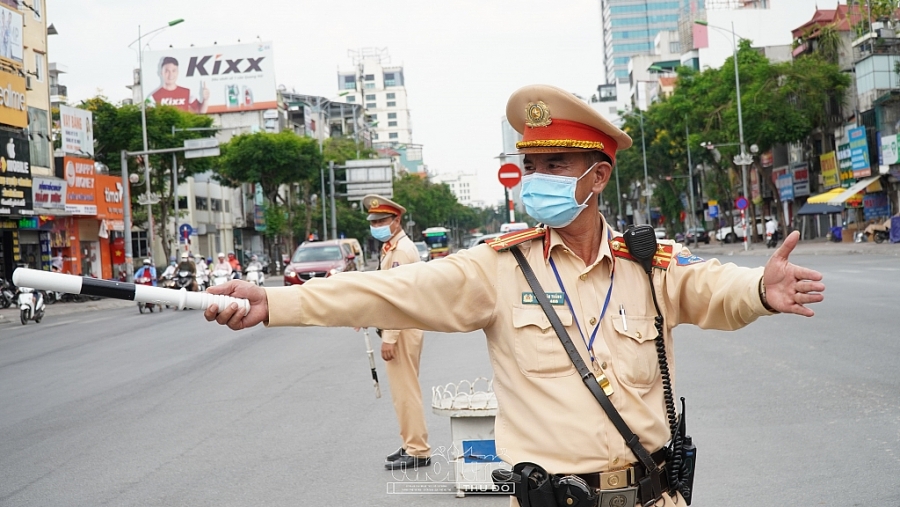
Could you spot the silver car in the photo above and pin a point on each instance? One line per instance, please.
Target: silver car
(424, 252)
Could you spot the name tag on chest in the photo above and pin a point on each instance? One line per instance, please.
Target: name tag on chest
(556, 298)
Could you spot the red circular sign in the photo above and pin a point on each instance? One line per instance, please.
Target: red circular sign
(510, 175)
(741, 202)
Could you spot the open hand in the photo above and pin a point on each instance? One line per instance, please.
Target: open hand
(232, 316)
(789, 288)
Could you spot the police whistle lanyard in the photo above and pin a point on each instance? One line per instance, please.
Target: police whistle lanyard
(588, 344)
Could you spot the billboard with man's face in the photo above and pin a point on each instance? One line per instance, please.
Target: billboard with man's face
(11, 35)
(217, 79)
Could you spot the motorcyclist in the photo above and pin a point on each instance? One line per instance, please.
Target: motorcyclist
(202, 269)
(147, 270)
(235, 265)
(170, 269)
(771, 233)
(187, 264)
(255, 264)
(223, 265)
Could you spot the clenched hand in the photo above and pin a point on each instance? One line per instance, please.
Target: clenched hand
(232, 316)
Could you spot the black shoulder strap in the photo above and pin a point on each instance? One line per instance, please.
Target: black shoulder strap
(586, 375)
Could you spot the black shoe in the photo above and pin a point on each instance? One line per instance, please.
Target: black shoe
(407, 461)
(401, 452)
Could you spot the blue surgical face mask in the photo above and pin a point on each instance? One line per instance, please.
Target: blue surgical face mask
(550, 199)
(382, 233)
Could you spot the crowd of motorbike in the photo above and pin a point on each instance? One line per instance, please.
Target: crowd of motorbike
(193, 273)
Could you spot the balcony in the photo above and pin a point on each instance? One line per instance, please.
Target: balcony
(61, 90)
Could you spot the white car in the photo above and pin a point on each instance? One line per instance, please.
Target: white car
(736, 235)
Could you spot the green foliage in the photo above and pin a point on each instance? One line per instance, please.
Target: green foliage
(276, 217)
(429, 204)
(340, 150)
(118, 128)
(270, 160)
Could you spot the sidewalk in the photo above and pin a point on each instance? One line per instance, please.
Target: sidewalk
(805, 247)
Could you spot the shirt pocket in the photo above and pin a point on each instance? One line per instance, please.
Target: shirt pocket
(539, 353)
(635, 351)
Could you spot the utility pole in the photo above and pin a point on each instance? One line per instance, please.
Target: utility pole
(687, 132)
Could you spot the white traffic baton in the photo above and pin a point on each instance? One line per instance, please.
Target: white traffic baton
(372, 362)
(71, 284)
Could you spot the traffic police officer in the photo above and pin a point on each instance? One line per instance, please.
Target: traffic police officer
(546, 415)
(401, 349)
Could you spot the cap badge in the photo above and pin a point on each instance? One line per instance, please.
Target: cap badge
(373, 203)
(537, 114)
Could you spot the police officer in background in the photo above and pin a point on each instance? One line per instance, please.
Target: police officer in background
(400, 349)
(599, 292)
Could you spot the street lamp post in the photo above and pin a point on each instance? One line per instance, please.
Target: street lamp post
(647, 193)
(743, 159)
(150, 235)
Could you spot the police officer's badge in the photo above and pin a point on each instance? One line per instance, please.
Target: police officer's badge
(537, 114)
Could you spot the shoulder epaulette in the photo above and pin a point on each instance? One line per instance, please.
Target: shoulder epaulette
(515, 238)
(661, 258)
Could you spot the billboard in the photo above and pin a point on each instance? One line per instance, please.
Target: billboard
(859, 152)
(15, 175)
(11, 35)
(828, 163)
(12, 100)
(77, 130)
(217, 79)
(49, 193)
(110, 198)
(79, 175)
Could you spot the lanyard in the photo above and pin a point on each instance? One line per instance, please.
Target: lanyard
(588, 344)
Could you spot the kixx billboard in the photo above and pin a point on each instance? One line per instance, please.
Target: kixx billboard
(217, 79)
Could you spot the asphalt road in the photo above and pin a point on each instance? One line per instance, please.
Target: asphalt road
(109, 407)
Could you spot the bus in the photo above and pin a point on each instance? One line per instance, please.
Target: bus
(438, 241)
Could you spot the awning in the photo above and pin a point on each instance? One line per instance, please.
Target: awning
(812, 208)
(853, 190)
(826, 196)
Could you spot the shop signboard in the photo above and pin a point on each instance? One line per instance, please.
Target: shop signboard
(49, 193)
(876, 205)
(13, 111)
(845, 163)
(15, 175)
(216, 79)
(800, 175)
(828, 163)
(11, 31)
(784, 182)
(859, 152)
(79, 174)
(110, 201)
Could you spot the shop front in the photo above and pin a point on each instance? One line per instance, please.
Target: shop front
(16, 199)
(111, 228)
(75, 241)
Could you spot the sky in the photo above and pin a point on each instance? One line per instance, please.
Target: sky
(462, 59)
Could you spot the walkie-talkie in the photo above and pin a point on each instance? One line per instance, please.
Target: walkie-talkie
(641, 243)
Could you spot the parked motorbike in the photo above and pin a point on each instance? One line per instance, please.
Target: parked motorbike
(7, 294)
(254, 275)
(220, 277)
(771, 239)
(145, 280)
(31, 305)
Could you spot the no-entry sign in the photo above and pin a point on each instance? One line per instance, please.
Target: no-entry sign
(510, 175)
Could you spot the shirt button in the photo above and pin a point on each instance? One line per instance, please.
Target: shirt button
(616, 461)
(593, 321)
(603, 365)
(583, 277)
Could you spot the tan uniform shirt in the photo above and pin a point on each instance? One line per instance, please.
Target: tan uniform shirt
(397, 251)
(546, 414)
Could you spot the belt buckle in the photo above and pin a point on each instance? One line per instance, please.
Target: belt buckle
(618, 479)
(622, 497)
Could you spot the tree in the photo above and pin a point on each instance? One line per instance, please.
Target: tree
(118, 128)
(270, 161)
(341, 149)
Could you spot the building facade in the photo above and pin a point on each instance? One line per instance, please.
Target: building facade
(463, 186)
(381, 89)
(630, 28)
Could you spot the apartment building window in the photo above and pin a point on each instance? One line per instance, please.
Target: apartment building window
(393, 135)
(215, 204)
(370, 86)
(391, 96)
(392, 124)
(389, 79)
(227, 205)
(370, 77)
(182, 204)
(391, 104)
(374, 137)
(139, 243)
(370, 97)
(392, 116)
(38, 6)
(201, 203)
(349, 82)
(370, 105)
(39, 60)
(351, 99)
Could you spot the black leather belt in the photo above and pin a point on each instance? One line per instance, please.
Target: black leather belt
(628, 476)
